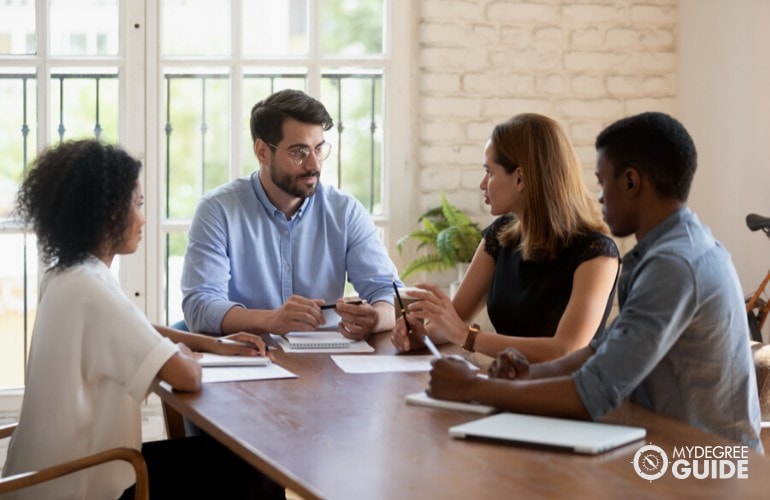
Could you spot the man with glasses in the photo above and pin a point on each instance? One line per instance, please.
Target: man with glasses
(266, 252)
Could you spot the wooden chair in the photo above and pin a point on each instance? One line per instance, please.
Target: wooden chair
(761, 353)
(25, 479)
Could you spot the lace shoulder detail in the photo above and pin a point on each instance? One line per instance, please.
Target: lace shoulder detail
(492, 234)
(600, 245)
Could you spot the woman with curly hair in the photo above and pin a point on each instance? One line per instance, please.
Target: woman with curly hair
(94, 355)
(546, 266)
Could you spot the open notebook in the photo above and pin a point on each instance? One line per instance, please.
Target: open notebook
(553, 433)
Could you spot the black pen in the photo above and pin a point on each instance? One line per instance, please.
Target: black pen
(352, 302)
(403, 309)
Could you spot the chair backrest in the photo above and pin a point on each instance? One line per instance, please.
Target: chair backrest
(26, 479)
(761, 353)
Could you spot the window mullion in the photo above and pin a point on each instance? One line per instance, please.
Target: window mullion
(314, 48)
(43, 75)
(135, 269)
(236, 92)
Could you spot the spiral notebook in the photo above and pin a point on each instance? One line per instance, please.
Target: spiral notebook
(209, 359)
(317, 340)
(320, 341)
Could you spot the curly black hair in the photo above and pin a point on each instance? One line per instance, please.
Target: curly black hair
(78, 196)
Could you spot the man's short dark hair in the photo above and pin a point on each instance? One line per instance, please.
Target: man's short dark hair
(269, 115)
(655, 144)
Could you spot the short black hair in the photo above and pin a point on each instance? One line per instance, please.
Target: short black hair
(78, 197)
(269, 115)
(658, 146)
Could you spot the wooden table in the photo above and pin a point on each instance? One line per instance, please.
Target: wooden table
(329, 434)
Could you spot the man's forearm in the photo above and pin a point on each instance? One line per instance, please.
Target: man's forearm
(240, 319)
(555, 397)
(386, 317)
(562, 366)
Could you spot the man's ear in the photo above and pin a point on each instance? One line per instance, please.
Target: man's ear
(262, 152)
(633, 180)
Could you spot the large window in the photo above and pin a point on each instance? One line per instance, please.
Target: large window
(58, 84)
(173, 81)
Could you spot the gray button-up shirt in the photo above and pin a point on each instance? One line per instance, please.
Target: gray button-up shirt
(680, 345)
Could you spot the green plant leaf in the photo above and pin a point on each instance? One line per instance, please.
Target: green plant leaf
(422, 236)
(448, 230)
(429, 262)
(453, 215)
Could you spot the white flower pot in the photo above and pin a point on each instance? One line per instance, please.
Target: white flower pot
(462, 268)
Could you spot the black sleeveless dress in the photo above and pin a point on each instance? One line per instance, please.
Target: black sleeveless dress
(527, 299)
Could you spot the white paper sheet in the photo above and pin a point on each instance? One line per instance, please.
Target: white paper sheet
(379, 364)
(237, 373)
(331, 319)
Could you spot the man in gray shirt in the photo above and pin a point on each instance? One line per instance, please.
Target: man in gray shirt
(680, 344)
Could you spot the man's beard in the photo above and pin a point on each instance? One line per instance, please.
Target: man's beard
(288, 182)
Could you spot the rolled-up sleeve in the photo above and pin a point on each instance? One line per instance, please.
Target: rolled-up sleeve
(651, 320)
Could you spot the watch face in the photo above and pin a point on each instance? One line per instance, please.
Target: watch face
(650, 462)
(470, 340)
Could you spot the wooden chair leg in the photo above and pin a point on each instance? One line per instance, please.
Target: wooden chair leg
(174, 422)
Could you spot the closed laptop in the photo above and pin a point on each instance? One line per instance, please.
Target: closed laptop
(545, 432)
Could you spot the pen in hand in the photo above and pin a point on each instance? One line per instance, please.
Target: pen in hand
(403, 309)
(351, 302)
(431, 346)
(434, 350)
(237, 343)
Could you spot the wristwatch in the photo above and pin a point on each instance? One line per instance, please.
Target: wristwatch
(470, 340)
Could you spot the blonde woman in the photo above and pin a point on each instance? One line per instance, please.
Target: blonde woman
(545, 268)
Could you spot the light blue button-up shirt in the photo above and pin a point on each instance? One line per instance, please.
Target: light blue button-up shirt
(680, 345)
(242, 251)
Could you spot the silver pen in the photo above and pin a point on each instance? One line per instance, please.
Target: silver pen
(431, 346)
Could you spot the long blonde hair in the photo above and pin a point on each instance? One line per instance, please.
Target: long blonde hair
(557, 206)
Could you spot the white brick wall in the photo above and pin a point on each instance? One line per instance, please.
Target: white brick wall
(585, 63)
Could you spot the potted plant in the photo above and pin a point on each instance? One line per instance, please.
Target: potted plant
(448, 237)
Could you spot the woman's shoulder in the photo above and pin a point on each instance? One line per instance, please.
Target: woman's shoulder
(597, 244)
(492, 233)
(87, 279)
(502, 221)
(493, 230)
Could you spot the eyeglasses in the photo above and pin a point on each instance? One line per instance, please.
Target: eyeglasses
(300, 154)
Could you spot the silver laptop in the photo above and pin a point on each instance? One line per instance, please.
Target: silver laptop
(552, 433)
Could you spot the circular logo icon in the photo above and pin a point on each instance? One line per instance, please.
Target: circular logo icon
(650, 462)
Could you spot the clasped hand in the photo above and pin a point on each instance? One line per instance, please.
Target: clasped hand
(434, 314)
(299, 314)
(452, 378)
